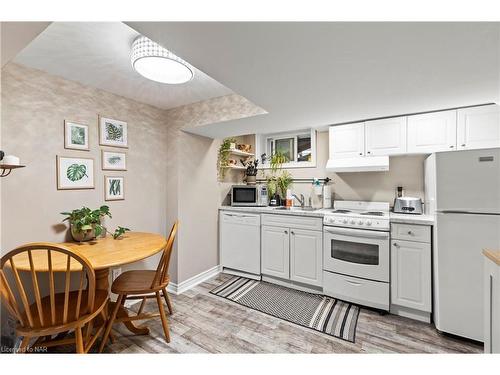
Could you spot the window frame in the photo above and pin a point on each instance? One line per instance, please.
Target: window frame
(262, 141)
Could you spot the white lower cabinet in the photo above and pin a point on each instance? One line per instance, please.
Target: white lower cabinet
(491, 306)
(411, 271)
(306, 253)
(292, 254)
(411, 274)
(275, 251)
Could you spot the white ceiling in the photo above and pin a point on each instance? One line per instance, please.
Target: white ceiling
(97, 54)
(315, 74)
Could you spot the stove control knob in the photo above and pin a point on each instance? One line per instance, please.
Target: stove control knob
(360, 222)
(345, 221)
(353, 222)
(331, 220)
(368, 223)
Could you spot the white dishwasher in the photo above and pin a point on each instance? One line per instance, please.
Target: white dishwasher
(239, 243)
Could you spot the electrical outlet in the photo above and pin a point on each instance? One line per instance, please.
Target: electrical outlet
(115, 273)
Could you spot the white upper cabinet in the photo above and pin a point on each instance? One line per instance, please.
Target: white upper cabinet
(347, 141)
(432, 132)
(478, 127)
(386, 136)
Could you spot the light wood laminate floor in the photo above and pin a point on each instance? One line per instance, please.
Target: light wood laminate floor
(204, 323)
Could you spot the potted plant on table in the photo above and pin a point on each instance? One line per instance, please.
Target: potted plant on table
(85, 224)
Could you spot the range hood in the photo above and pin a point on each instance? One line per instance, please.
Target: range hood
(359, 164)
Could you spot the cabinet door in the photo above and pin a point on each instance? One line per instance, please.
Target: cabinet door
(432, 132)
(491, 276)
(306, 256)
(347, 141)
(479, 127)
(411, 274)
(276, 252)
(386, 136)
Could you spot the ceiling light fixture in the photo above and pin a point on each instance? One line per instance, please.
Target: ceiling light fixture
(154, 62)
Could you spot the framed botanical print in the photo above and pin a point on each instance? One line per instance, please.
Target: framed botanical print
(76, 136)
(113, 188)
(112, 132)
(113, 161)
(74, 173)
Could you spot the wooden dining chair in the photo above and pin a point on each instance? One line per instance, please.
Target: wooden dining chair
(55, 313)
(144, 284)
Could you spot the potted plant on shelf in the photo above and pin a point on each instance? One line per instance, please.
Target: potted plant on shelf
(225, 148)
(251, 170)
(85, 224)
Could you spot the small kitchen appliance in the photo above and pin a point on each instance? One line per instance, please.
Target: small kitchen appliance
(249, 195)
(356, 253)
(408, 205)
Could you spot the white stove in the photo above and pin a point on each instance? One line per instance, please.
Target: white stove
(357, 253)
(361, 215)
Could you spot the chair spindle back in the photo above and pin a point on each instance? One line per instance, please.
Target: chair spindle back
(162, 269)
(15, 293)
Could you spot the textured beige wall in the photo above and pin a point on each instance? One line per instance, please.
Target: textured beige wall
(34, 106)
(192, 187)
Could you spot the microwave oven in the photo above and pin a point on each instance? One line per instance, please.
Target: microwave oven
(249, 195)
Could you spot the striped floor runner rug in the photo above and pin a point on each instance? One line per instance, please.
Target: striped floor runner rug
(324, 314)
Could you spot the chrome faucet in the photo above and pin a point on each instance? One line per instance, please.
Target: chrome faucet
(301, 200)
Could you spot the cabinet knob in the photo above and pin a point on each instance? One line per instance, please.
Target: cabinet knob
(463, 144)
(410, 232)
(395, 244)
(452, 146)
(361, 153)
(286, 232)
(292, 232)
(369, 152)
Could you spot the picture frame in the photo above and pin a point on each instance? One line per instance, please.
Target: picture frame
(76, 136)
(112, 132)
(74, 173)
(113, 161)
(114, 189)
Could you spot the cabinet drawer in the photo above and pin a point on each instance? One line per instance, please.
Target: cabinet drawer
(352, 289)
(411, 232)
(290, 221)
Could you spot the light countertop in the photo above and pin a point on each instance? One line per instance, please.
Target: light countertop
(411, 219)
(494, 255)
(274, 210)
(395, 218)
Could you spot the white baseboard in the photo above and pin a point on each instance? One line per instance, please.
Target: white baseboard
(193, 281)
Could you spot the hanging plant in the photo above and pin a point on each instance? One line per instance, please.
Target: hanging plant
(223, 157)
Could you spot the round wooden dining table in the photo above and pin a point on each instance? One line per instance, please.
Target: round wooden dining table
(103, 254)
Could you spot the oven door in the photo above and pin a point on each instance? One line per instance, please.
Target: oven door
(357, 252)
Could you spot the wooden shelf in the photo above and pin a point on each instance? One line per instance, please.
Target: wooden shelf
(240, 153)
(239, 167)
(5, 169)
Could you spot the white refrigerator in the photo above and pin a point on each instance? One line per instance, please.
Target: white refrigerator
(462, 190)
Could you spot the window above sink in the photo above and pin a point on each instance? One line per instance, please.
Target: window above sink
(299, 147)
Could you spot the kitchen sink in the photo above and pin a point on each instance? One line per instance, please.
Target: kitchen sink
(282, 208)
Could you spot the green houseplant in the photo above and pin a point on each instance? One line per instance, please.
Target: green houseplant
(85, 224)
(223, 156)
(284, 181)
